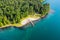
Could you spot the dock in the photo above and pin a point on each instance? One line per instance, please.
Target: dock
(31, 22)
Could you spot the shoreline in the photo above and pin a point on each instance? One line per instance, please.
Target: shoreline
(24, 21)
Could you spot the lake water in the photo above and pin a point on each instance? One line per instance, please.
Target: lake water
(45, 29)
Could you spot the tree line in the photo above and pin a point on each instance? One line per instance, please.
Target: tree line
(12, 11)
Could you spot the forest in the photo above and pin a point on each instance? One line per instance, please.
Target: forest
(12, 11)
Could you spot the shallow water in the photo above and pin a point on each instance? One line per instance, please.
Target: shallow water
(45, 29)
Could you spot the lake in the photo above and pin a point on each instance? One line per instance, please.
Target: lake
(45, 29)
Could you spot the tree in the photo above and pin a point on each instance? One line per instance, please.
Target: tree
(1, 24)
(12, 11)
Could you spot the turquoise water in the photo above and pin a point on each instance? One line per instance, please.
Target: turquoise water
(45, 29)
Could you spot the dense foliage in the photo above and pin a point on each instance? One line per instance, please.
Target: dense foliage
(12, 11)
